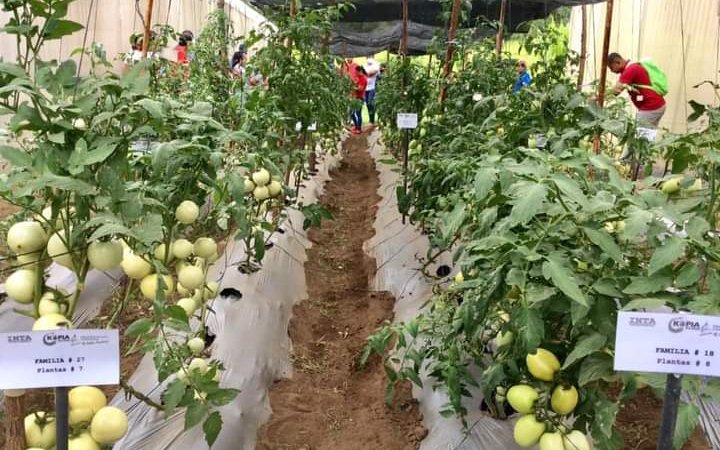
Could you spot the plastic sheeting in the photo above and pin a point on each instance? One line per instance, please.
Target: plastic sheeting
(111, 22)
(683, 38)
(397, 249)
(251, 340)
(376, 25)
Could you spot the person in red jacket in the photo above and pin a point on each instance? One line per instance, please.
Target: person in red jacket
(636, 80)
(358, 94)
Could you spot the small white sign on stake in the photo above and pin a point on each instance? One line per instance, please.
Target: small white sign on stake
(40, 359)
(668, 343)
(407, 121)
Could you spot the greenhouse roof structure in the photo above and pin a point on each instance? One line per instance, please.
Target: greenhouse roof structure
(372, 26)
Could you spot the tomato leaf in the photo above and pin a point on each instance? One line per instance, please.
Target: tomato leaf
(173, 395)
(672, 249)
(688, 419)
(585, 346)
(222, 396)
(15, 156)
(139, 327)
(531, 328)
(563, 278)
(529, 202)
(594, 367)
(211, 427)
(606, 243)
(645, 303)
(646, 285)
(570, 189)
(195, 413)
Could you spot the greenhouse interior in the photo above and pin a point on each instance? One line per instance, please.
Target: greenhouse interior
(372, 225)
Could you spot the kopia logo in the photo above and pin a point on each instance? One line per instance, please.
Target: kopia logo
(642, 322)
(19, 339)
(52, 338)
(680, 324)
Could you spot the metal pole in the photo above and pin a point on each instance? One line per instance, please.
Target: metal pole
(406, 143)
(146, 34)
(14, 416)
(673, 387)
(603, 65)
(447, 68)
(501, 29)
(583, 49)
(61, 418)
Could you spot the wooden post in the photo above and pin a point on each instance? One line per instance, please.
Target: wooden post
(583, 49)
(14, 420)
(404, 37)
(447, 68)
(293, 8)
(429, 66)
(603, 65)
(146, 34)
(501, 29)
(605, 51)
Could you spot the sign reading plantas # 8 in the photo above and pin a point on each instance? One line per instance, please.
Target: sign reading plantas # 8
(668, 343)
(40, 359)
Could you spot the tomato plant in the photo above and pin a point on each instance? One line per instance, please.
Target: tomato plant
(552, 243)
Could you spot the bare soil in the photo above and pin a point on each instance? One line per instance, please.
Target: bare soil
(331, 403)
(639, 422)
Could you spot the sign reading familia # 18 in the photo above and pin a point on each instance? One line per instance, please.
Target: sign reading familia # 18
(668, 343)
(38, 359)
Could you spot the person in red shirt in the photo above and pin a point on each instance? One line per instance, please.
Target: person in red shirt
(636, 80)
(358, 95)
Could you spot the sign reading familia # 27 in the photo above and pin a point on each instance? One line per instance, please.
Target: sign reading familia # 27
(37, 359)
(668, 343)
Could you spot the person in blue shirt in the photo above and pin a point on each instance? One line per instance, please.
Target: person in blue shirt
(524, 78)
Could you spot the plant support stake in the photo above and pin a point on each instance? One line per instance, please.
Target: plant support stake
(671, 402)
(583, 49)
(501, 29)
(61, 418)
(447, 68)
(146, 33)
(603, 65)
(14, 420)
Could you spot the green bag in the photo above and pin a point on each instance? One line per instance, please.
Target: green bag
(658, 79)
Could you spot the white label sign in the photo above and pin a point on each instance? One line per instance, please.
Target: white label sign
(37, 359)
(668, 343)
(407, 120)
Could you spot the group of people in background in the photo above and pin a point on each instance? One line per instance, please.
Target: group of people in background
(364, 78)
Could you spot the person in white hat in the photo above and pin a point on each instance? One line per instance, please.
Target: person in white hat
(372, 68)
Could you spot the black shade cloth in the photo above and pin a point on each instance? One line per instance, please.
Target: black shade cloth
(376, 25)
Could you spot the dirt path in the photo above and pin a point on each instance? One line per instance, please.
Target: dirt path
(330, 403)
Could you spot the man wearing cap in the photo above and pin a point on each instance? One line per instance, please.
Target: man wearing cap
(372, 68)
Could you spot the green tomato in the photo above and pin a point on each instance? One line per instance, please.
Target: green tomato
(26, 237)
(552, 441)
(187, 212)
(39, 430)
(109, 425)
(205, 247)
(105, 255)
(20, 286)
(261, 177)
(576, 440)
(671, 186)
(522, 398)
(564, 400)
(528, 430)
(542, 364)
